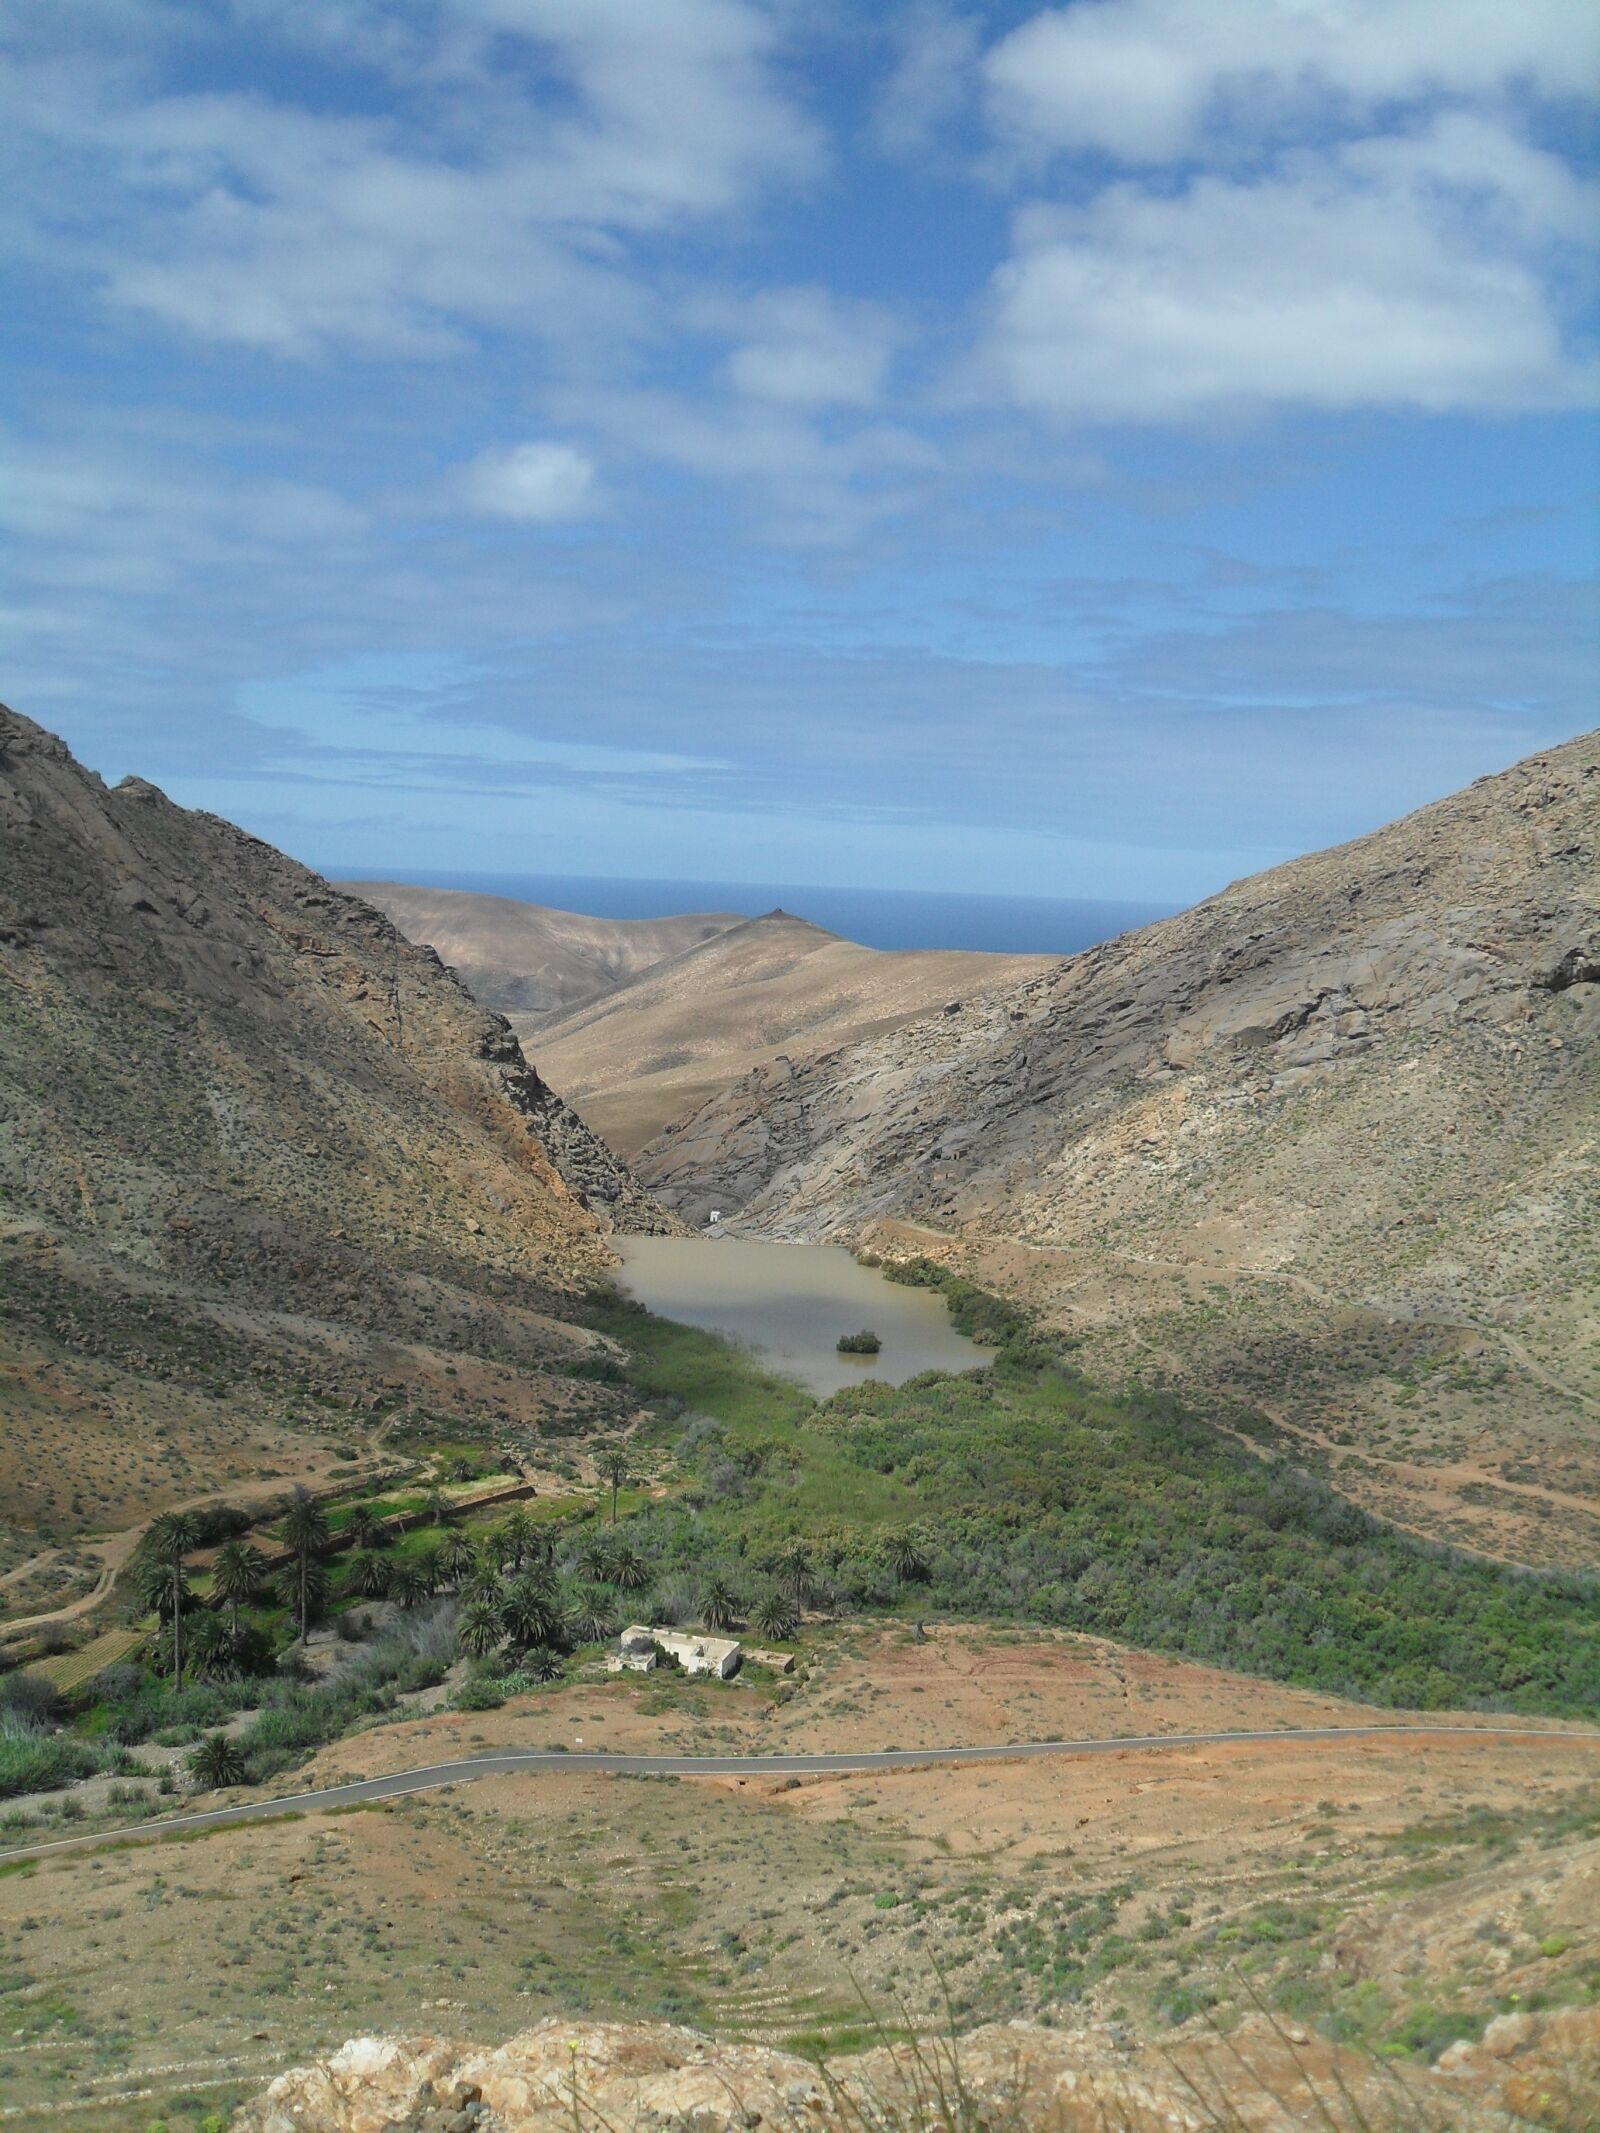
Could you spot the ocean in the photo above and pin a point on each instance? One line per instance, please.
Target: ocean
(878, 918)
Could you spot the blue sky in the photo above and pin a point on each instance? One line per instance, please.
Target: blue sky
(1098, 450)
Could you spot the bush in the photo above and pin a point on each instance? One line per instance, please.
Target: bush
(866, 1342)
(31, 1696)
(32, 1760)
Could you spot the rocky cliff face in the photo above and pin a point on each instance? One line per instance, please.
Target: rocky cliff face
(1371, 1077)
(1272, 2077)
(228, 1089)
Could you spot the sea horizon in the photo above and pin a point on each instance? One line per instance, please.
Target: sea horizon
(876, 918)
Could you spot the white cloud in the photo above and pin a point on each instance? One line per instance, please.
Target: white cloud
(517, 147)
(1147, 81)
(1393, 273)
(806, 348)
(538, 481)
(812, 487)
(934, 73)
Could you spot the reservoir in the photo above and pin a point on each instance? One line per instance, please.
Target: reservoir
(790, 1303)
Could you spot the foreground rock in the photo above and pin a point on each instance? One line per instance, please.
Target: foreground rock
(571, 2077)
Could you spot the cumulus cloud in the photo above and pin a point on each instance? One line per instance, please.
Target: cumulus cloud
(934, 72)
(538, 481)
(530, 137)
(1153, 81)
(1399, 273)
(806, 348)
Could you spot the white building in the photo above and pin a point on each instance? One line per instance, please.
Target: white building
(638, 1649)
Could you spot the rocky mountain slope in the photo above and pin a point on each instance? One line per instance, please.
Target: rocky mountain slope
(258, 1155)
(1266, 2075)
(657, 1046)
(529, 960)
(1327, 1141)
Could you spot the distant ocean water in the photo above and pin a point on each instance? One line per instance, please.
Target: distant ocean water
(879, 918)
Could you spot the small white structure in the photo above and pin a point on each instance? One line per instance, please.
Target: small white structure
(774, 1662)
(635, 1653)
(639, 1647)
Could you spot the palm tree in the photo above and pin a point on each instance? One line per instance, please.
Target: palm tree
(775, 1615)
(478, 1630)
(303, 1586)
(613, 1467)
(592, 1619)
(217, 1763)
(408, 1586)
(305, 1528)
(458, 1559)
(167, 1541)
(211, 1644)
(907, 1558)
(368, 1574)
(428, 1563)
(796, 1575)
(530, 1613)
(236, 1577)
(626, 1568)
(437, 1509)
(541, 1664)
(364, 1528)
(513, 1538)
(719, 1608)
(483, 1584)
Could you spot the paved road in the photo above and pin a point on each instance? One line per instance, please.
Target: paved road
(427, 1777)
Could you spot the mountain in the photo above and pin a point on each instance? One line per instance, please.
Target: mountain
(1325, 1144)
(263, 1164)
(527, 959)
(649, 1052)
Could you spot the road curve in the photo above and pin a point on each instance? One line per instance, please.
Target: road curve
(427, 1777)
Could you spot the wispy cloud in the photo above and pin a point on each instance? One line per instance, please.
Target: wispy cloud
(1145, 425)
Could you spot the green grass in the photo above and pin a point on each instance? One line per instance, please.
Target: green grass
(1035, 1495)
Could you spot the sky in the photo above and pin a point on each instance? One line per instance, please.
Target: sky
(1096, 450)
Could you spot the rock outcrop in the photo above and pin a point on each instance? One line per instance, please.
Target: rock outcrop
(1268, 2076)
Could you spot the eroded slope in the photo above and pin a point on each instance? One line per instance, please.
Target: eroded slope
(529, 959)
(651, 1051)
(258, 1152)
(1327, 1140)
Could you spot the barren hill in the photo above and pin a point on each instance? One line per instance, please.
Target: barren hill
(649, 1052)
(261, 1158)
(528, 959)
(1327, 1142)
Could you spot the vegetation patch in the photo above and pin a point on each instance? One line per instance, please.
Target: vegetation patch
(1022, 1491)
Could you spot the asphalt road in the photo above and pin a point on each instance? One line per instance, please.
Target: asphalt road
(427, 1777)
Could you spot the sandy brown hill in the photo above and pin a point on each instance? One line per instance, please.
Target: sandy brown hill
(1328, 1140)
(260, 1155)
(652, 1050)
(530, 960)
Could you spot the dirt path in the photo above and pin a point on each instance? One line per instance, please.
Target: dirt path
(115, 1551)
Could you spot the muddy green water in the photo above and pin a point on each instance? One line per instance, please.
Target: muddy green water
(791, 1302)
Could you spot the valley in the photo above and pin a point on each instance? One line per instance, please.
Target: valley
(639, 1021)
(1197, 1336)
